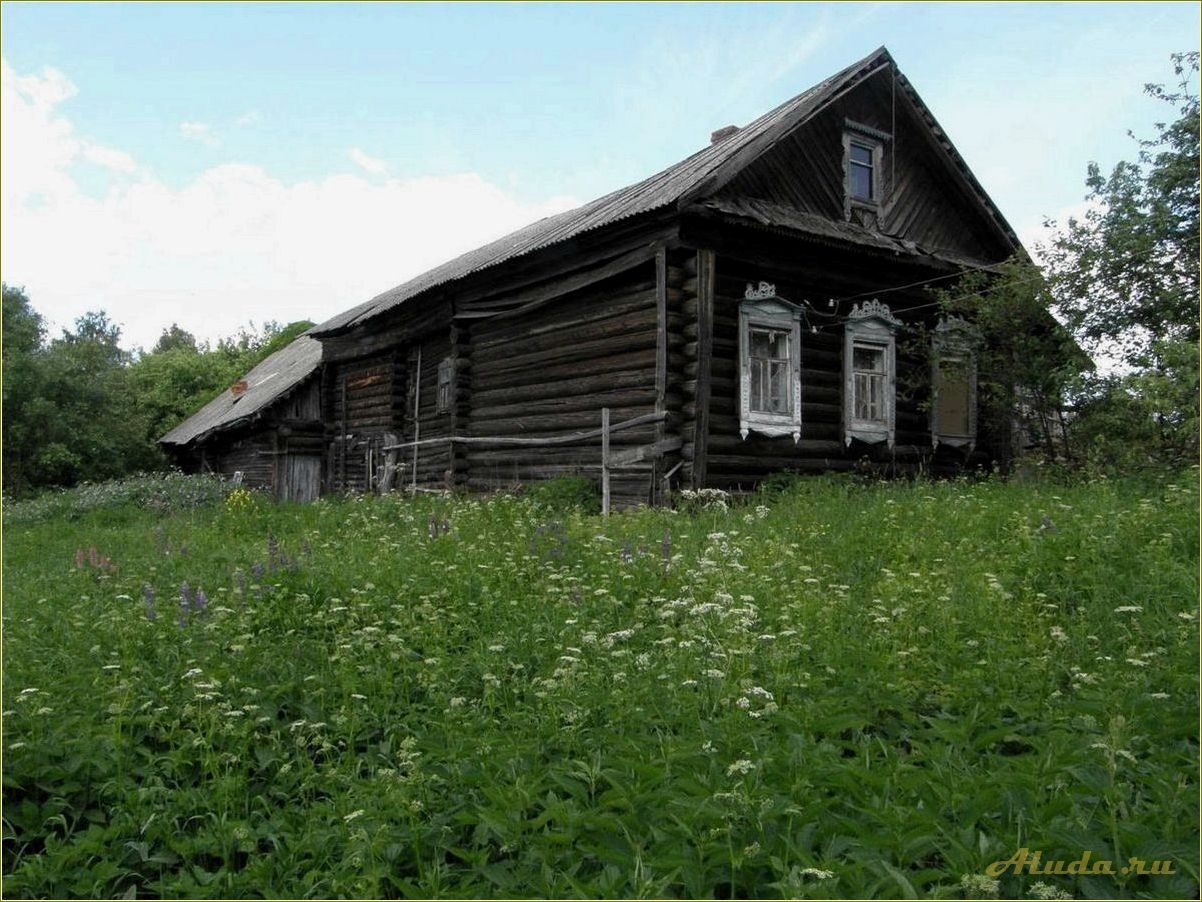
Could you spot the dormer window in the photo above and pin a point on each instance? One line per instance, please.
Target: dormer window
(769, 364)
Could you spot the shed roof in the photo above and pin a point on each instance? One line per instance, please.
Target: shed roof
(690, 179)
(274, 377)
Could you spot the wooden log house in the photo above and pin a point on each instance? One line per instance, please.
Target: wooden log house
(748, 307)
(267, 426)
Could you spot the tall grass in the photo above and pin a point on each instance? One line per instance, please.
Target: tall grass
(847, 689)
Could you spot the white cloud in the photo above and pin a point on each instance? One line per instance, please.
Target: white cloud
(250, 117)
(233, 245)
(198, 131)
(373, 165)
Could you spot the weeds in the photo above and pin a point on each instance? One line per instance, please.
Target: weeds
(846, 690)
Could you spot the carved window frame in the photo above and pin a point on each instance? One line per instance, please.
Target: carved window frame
(762, 308)
(870, 325)
(954, 340)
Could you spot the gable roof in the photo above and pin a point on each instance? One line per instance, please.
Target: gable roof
(691, 179)
(274, 377)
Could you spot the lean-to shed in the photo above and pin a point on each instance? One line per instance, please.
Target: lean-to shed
(266, 426)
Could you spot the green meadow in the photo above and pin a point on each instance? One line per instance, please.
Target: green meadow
(833, 688)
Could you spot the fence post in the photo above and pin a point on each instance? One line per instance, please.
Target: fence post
(605, 461)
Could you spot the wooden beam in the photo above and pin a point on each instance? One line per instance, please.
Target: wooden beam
(705, 344)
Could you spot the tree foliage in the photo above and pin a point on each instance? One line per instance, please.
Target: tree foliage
(80, 408)
(1123, 278)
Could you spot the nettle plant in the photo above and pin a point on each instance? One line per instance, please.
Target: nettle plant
(838, 689)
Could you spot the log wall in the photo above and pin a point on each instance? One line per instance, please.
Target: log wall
(731, 462)
(549, 371)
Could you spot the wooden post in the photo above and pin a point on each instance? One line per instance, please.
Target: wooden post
(705, 348)
(342, 440)
(417, 412)
(661, 363)
(605, 461)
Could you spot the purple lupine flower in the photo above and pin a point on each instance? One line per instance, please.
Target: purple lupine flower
(185, 603)
(256, 572)
(240, 583)
(199, 600)
(79, 558)
(93, 555)
(148, 595)
(273, 550)
(627, 555)
(183, 549)
(666, 549)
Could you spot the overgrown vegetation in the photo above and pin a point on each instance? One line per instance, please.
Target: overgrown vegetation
(849, 689)
(79, 408)
(1123, 278)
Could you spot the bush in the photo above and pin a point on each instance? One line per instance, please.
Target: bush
(163, 492)
(567, 493)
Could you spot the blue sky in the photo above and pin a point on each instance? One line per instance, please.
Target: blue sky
(213, 164)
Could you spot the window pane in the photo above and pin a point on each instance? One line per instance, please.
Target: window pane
(861, 182)
(769, 344)
(861, 154)
(778, 388)
(868, 359)
(769, 371)
(757, 384)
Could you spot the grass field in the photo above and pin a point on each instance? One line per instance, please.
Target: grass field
(841, 689)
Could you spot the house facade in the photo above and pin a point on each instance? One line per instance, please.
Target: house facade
(758, 307)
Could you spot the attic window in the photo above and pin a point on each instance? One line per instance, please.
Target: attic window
(870, 374)
(863, 171)
(861, 175)
(769, 364)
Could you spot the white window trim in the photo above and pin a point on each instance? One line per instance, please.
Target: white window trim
(953, 340)
(761, 307)
(870, 325)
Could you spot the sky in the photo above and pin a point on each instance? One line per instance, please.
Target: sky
(219, 165)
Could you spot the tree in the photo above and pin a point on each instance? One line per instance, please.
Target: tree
(1125, 279)
(1026, 360)
(23, 334)
(175, 337)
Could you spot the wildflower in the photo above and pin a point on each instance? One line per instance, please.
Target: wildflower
(978, 886)
(743, 703)
(354, 814)
(148, 597)
(714, 674)
(742, 766)
(185, 603)
(199, 600)
(1129, 609)
(817, 873)
(1058, 634)
(1046, 891)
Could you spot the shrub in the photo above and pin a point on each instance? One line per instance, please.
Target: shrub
(567, 493)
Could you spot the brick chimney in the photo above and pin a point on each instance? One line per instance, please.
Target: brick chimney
(723, 133)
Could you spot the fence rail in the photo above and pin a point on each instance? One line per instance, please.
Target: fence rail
(609, 460)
